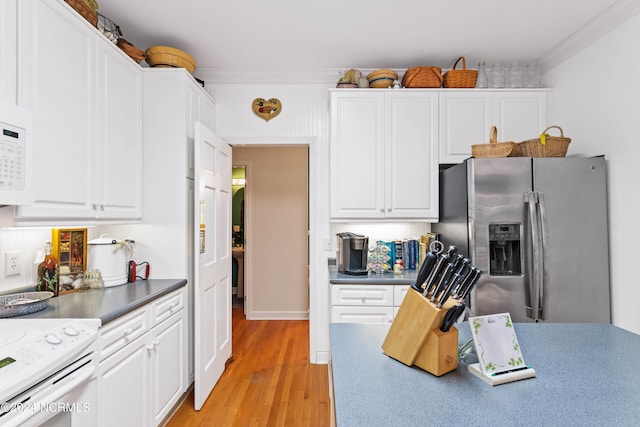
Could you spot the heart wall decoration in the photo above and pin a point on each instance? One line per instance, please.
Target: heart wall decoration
(266, 109)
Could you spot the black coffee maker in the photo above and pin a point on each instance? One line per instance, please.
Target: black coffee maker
(353, 250)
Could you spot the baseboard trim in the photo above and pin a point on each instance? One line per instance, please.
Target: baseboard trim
(278, 315)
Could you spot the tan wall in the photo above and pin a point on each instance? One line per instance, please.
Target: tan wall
(276, 209)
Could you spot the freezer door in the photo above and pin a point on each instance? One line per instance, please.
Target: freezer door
(572, 193)
(498, 235)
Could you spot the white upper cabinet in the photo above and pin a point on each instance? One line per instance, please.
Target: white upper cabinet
(119, 168)
(383, 154)
(85, 96)
(466, 117)
(8, 55)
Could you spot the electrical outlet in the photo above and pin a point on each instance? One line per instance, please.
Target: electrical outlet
(12, 263)
(328, 244)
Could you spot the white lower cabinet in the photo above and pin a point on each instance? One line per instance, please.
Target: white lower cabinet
(143, 369)
(361, 303)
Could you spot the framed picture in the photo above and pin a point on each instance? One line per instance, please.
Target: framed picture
(69, 247)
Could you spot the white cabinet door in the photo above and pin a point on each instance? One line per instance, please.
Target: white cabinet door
(8, 53)
(357, 167)
(345, 314)
(364, 295)
(411, 155)
(56, 82)
(212, 248)
(125, 386)
(519, 115)
(119, 143)
(168, 365)
(465, 119)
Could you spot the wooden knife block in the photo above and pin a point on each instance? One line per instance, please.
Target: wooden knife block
(415, 337)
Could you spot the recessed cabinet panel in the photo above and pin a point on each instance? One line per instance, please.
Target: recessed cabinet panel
(362, 295)
(520, 116)
(465, 119)
(56, 82)
(357, 150)
(361, 314)
(411, 156)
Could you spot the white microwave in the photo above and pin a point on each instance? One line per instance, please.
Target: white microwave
(15, 155)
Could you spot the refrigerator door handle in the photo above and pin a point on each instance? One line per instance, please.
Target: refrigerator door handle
(532, 201)
(543, 255)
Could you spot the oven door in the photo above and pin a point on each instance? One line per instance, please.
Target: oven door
(67, 398)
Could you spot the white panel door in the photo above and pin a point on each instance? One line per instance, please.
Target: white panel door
(411, 155)
(212, 305)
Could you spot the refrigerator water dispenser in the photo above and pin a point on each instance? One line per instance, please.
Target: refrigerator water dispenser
(504, 250)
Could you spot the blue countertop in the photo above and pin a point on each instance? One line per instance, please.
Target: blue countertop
(586, 376)
(107, 304)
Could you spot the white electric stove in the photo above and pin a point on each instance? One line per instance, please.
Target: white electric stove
(47, 371)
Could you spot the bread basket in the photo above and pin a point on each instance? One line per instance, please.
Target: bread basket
(493, 149)
(165, 56)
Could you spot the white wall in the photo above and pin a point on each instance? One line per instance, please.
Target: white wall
(597, 103)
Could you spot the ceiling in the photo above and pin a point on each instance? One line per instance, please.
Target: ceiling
(260, 38)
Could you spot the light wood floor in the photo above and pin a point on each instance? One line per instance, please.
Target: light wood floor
(270, 381)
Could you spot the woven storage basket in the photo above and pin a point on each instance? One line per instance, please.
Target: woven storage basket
(422, 77)
(544, 146)
(165, 56)
(84, 10)
(382, 78)
(460, 78)
(493, 148)
(133, 52)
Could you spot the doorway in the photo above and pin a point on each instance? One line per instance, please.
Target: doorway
(274, 230)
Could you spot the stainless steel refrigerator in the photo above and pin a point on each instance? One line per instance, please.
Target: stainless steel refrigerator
(537, 228)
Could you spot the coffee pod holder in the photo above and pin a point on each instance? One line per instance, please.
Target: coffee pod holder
(415, 337)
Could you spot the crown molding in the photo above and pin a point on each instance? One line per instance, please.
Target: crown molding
(615, 15)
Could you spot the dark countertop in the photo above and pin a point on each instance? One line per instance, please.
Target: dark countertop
(109, 303)
(586, 376)
(407, 277)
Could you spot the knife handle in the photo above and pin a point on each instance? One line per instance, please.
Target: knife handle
(425, 269)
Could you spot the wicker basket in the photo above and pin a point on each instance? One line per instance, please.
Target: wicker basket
(85, 11)
(134, 53)
(493, 148)
(460, 78)
(544, 146)
(382, 78)
(420, 77)
(165, 56)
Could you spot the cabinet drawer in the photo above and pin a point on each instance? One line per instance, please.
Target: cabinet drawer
(122, 331)
(378, 295)
(168, 305)
(398, 294)
(343, 314)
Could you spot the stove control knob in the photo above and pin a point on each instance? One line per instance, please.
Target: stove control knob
(54, 338)
(71, 331)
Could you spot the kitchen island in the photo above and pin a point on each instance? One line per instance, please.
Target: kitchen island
(586, 376)
(110, 303)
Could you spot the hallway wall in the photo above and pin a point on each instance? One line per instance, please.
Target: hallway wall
(276, 217)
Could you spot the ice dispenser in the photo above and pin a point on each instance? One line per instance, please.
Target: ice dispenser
(504, 250)
(353, 250)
